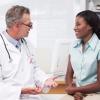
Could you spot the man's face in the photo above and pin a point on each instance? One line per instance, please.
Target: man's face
(25, 26)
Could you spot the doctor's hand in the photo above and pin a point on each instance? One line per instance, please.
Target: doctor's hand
(50, 82)
(33, 91)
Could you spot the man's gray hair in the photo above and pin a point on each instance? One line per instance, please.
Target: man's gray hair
(15, 14)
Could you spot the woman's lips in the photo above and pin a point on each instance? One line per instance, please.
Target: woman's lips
(77, 33)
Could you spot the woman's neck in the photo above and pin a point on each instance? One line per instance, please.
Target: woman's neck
(87, 38)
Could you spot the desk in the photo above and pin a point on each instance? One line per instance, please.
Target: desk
(55, 93)
(60, 89)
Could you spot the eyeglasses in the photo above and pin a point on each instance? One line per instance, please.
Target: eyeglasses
(30, 25)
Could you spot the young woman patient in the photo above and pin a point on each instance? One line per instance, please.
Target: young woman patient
(83, 72)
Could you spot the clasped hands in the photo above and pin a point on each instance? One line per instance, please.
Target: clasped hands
(71, 90)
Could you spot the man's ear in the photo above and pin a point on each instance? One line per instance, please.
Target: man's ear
(15, 27)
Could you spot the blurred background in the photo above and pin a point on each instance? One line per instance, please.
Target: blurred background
(53, 20)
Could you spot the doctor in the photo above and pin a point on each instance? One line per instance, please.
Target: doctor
(20, 76)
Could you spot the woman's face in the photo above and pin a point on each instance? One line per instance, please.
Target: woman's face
(82, 28)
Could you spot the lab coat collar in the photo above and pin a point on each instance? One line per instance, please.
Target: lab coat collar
(16, 43)
(9, 45)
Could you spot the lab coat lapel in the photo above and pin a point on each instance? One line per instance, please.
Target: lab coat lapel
(24, 67)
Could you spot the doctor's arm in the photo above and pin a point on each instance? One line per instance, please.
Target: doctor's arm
(40, 77)
(43, 79)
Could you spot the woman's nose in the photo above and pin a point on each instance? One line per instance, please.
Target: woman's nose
(75, 28)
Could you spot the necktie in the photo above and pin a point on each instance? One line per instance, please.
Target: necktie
(18, 46)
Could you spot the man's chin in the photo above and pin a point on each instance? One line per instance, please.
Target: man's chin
(26, 35)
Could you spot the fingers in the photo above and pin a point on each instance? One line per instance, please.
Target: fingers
(38, 89)
(34, 91)
(55, 84)
(50, 83)
(78, 96)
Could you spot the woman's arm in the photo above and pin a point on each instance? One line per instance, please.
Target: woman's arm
(69, 73)
(91, 88)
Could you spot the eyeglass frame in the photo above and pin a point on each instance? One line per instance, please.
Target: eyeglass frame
(30, 25)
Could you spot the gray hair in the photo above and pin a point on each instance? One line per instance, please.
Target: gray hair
(15, 14)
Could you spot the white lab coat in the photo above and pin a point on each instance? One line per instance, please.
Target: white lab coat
(23, 71)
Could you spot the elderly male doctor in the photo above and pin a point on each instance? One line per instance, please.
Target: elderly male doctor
(20, 77)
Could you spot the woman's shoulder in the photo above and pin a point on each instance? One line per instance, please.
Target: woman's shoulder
(75, 43)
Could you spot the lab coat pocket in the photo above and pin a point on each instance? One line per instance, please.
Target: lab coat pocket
(9, 69)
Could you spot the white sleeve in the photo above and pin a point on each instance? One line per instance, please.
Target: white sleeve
(39, 76)
(8, 91)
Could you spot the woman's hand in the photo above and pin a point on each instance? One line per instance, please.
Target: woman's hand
(78, 96)
(70, 90)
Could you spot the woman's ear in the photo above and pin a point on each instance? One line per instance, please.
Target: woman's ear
(89, 27)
